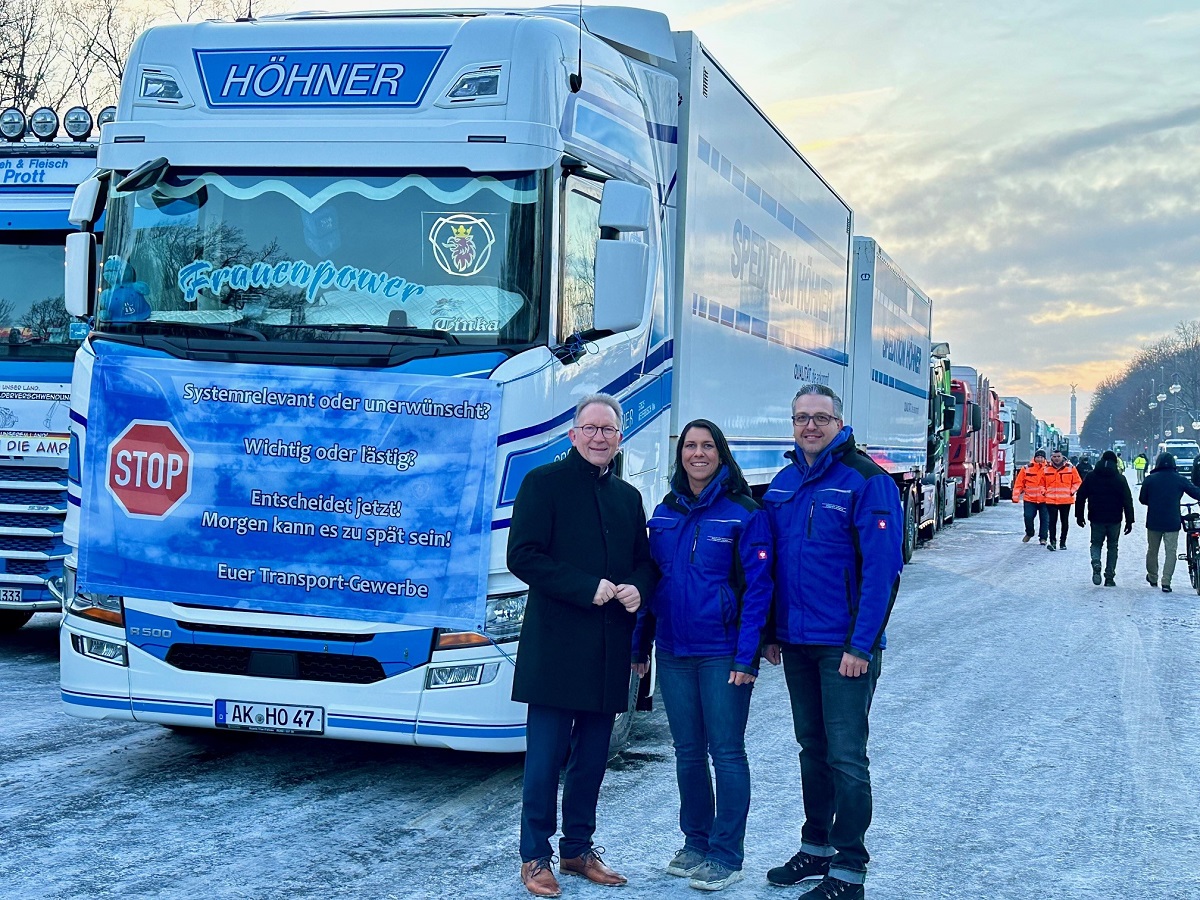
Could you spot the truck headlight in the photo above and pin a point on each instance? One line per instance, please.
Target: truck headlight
(505, 615)
(95, 648)
(105, 608)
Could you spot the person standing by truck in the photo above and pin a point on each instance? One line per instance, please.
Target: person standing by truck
(712, 544)
(1030, 485)
(1061, 480)
(1106, 497)
(1161, 492)
(1139, 467)
(836, 522)
(578, 539)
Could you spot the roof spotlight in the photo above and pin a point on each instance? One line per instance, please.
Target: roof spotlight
(78, 123)
(44, 123)
(108, 114)
(12, 124)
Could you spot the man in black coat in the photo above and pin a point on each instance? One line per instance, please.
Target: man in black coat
(578, 539)
(1106, 494)
(1161, 492)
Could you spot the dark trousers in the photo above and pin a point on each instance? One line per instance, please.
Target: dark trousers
(1041, 513)
(707, 716)
(1059, 512)
(829, 712)
(553, 737)
(1103, 532)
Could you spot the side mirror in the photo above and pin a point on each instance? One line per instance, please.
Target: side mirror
(622, 269)
(976, 417)
(625, 207)
(87, 203)
(79, 288)
(948, 418)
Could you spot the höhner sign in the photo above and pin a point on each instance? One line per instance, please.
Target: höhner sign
(376, 76)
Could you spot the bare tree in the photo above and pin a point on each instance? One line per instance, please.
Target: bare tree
(45, 316)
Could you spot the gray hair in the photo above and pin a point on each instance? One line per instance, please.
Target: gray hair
(604, 400)
(819, 390)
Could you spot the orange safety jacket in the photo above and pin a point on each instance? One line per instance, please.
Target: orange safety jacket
(1030, 481)
(1061, 484)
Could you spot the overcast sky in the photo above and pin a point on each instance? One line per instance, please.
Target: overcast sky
(1032, 166)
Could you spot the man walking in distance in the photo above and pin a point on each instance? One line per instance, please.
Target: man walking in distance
(1161, 492)
(837, 525)
(1139, 467)
(1060, 481)
(1106, 495)
(1029, 484)
(578, 539)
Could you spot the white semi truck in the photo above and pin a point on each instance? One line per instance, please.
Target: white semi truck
(511, 211)
(41, 163)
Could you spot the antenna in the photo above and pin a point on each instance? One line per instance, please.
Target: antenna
(576, 80)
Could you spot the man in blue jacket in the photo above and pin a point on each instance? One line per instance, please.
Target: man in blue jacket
(836, 521)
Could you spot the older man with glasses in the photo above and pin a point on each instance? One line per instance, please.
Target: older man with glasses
(578, 539)
(837, 524)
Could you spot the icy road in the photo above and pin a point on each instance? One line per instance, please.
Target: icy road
(1033, 736)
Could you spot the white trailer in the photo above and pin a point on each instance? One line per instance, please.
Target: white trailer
(507, 201)
(1017, 447)
(888, 399)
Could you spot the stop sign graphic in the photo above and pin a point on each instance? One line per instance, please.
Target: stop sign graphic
(149, 469)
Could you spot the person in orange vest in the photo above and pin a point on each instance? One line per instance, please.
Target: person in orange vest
(1029, 484)
(1060, 481)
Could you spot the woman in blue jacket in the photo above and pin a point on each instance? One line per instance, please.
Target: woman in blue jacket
(713, 545)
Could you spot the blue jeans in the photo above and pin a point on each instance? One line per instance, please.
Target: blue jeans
(553, 737)
(1042, 514)
(707, 716)
(829, 712)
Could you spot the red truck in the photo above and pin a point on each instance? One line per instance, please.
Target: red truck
(975, 441)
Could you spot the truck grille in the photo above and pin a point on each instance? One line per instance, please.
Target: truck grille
(49, 475)
(30, 520)
(38, 567)
(331, 667)
(27, 544)
(12, 497)
(328, 637)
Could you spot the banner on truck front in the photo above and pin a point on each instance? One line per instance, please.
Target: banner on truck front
(359, 495)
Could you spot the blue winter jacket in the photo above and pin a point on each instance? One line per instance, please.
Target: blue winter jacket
(709, 601)
(838, 548)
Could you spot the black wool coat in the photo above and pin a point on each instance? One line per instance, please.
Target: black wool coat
(573, 525)
(1106, 494)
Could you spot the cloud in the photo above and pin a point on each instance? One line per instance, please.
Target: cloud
(1070, 311)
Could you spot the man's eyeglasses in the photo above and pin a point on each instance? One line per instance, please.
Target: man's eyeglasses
(820, 419)
(608, 431)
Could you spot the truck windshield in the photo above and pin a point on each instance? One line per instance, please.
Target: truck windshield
(34, 323)
(960, 408)
(302, 257)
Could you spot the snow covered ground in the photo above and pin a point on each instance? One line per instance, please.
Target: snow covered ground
(1032, 736)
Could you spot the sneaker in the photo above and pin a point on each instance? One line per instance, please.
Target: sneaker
(835, 889)
(1042, 541)
(713, 875)
(1110, 581)
(800, 867)
(1027, 539)
(1166, 588)
(1096, 575)
(1062, 545)
(686, 861)
(1051, 546)
(1152, 581)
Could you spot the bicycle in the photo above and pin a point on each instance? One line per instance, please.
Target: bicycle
(1191, 535)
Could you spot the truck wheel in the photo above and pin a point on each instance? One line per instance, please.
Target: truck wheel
(11, 621)
(910, 525)
(967, 506)
(623, 724)
(939, 511)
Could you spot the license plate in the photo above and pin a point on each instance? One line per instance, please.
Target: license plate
(10, 595)
(274, 717)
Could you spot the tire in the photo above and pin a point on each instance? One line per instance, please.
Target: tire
(1193, 561)
(939, 510)
(11, 621)
(910, 525)
(967, 506)
(623, 724)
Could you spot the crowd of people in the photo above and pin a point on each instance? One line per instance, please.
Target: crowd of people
(716, 582)
(1102, 499)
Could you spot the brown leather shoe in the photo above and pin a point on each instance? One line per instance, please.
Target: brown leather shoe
(538, 878)
(592, 867)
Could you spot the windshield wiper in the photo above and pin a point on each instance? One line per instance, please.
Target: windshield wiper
(399, 330)
(184, 329)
